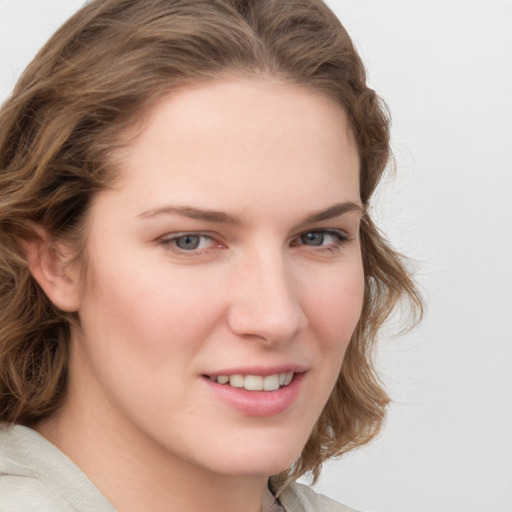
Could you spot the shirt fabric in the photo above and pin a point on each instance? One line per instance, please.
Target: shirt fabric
(35, 476)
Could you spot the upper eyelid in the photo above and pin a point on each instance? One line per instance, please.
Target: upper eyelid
(209, 234)
(180, 234)
(334, 231)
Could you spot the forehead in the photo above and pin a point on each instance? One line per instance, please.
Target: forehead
(242, 138)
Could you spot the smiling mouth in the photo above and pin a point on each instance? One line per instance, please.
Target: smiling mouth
(255, 382)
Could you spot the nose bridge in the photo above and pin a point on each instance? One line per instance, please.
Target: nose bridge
(265, 302)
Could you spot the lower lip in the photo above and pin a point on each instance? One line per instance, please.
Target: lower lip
(258, 403)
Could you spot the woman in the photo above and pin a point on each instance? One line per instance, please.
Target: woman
(191, 283)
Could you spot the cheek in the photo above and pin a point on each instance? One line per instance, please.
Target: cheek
(144, 337)
(144, 312)
(336, 307)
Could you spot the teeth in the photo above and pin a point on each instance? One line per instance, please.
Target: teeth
(271, 383)
(237, 381)
(253, 383)
(256, 382)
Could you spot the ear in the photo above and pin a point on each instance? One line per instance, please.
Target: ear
(49, 264)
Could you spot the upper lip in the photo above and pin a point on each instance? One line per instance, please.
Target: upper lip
(263, 371)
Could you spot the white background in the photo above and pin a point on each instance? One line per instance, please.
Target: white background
(445, 69)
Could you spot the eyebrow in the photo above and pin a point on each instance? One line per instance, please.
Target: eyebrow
(219, 217)
(213, 216)
(333, 211)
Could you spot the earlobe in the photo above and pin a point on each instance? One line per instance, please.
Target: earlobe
(48, 262)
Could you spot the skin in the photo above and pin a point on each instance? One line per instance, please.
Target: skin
(141, 419)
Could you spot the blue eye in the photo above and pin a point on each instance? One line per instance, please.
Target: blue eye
(322, 238)
(188, 242)
(313, 238)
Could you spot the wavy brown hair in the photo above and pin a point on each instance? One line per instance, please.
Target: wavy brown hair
(59, 131)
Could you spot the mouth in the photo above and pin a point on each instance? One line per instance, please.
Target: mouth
(258, 392)
(255, 382)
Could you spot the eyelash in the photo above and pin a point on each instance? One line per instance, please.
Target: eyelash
(340, 238)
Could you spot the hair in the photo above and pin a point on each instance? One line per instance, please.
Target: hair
(59, 131)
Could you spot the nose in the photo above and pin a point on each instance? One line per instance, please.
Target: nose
(265, 301)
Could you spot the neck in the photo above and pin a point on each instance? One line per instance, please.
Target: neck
(134, 477)
(134, 472)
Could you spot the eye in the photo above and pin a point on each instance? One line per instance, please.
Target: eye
(321, 238)
(188, 242)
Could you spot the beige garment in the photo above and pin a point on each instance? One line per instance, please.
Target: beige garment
(301, 498)
(270, 503)
(35, 476)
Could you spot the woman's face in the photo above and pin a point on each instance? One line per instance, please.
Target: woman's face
(225, 260)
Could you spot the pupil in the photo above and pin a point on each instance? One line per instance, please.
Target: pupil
(189, 242)
(313, 238)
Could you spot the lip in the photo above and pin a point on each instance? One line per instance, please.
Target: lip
(259, 370)
(258, 403)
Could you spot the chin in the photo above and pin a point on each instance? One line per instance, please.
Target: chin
(254, 459)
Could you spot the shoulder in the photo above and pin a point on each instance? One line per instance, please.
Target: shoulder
(25, 494)
(35, 476)
(22, 488)
(301, 498)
